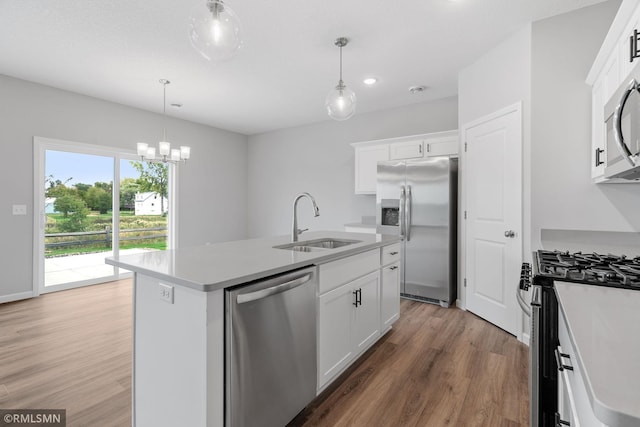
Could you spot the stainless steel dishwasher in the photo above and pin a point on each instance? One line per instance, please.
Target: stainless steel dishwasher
(270, 349)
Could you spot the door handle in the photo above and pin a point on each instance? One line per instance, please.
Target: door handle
(617, 124)
(510, 234)
(281, 287)
(358, 295)
(599, 151)
(407, 213)
(403, 196)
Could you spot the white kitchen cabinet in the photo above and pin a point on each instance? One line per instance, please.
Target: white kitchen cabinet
(573, 400)
(335, 343)
(442, 145)
(598, 146)
(366, 166)
(369, 153)
(348, 323)
(406, 150)
(390, 295)
(366, 319)
(609, 70)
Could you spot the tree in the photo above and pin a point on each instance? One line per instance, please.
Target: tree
(82, 190)
(98, 199)
(153, 177)
(56, 187)
(74, 210)
(128, 189)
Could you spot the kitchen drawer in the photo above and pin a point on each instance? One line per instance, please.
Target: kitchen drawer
(582, 411)
(336, 273)
(390, 254)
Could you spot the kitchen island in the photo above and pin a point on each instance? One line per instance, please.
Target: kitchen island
(599, 349)
(179, 315)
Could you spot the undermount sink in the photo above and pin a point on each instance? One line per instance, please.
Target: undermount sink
(317, 245)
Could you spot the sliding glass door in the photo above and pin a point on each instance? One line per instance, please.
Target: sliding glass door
(93, 202)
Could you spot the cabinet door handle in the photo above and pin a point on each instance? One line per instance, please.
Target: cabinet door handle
(428, 148)
(420, 148)
(598, 152)
(393, 253)
(562, 366)
(395, 267)
(560, 422)
(358, 295)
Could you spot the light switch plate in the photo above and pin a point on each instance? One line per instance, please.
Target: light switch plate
(19, 209)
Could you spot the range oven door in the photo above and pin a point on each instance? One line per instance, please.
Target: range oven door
(622, 123)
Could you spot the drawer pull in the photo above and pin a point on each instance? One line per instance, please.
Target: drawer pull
(562, 366)
(393, 253)
(395, 267)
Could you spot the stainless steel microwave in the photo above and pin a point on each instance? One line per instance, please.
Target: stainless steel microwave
(622, 122)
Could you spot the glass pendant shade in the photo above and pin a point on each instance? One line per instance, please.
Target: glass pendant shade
(341, 102)
(214, 30)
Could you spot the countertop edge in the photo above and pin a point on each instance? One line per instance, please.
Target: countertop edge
(322, 258)
(605, 413)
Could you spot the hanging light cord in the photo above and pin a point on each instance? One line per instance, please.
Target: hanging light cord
(340, 65)
(164, 109)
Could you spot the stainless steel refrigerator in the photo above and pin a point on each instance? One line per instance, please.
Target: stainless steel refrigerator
(418, 200)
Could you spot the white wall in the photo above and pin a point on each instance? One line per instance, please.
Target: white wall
(563, 196)
(318, 159)
(212, 185)
(497, 80)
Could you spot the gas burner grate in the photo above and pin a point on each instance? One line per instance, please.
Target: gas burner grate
(594, 268)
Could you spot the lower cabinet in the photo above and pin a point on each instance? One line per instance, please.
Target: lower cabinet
(349, 322)
(574, 407)
(390, 295)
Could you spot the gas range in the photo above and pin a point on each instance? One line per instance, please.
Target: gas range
(588, 268)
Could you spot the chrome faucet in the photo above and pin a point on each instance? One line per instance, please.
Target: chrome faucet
(316, 212)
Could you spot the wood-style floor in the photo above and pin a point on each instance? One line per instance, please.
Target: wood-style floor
(437, 367)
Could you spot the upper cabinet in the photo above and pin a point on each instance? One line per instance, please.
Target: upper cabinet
(369, 153)
(367, 158)
(406, 150)
(610, 69)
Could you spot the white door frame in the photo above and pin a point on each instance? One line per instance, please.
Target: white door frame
(462, 267)
(40, 146)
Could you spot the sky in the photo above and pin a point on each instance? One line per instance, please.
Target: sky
(84, 168)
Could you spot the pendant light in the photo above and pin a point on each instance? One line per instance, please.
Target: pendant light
(214, 30)
(166, 153)
(341, 101)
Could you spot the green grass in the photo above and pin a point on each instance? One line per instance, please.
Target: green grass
(98, 222)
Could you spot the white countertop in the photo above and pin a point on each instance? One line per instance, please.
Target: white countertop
(218, 266)
(603, 326)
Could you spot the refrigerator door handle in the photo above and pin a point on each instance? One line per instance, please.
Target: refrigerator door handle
(401, 213)
(407, 213)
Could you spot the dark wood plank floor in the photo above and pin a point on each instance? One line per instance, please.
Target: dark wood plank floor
(437, 367)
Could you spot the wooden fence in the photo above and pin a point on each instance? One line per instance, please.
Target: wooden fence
(84, 237)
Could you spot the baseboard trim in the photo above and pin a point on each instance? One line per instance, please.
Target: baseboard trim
(460, 305)
(16, 297)
(525, 338)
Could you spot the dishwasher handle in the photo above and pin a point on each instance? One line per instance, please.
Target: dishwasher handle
(263, 293)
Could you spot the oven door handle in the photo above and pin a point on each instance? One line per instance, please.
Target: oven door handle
(617, 124)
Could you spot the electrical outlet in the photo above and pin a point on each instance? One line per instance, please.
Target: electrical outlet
(166, 293)
(19, 209)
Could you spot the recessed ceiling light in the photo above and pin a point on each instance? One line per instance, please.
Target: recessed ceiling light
(416, 90)
(370, 81)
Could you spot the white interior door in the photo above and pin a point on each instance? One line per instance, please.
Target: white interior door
(493, 179)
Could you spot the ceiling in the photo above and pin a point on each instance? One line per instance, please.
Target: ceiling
(117, 50)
